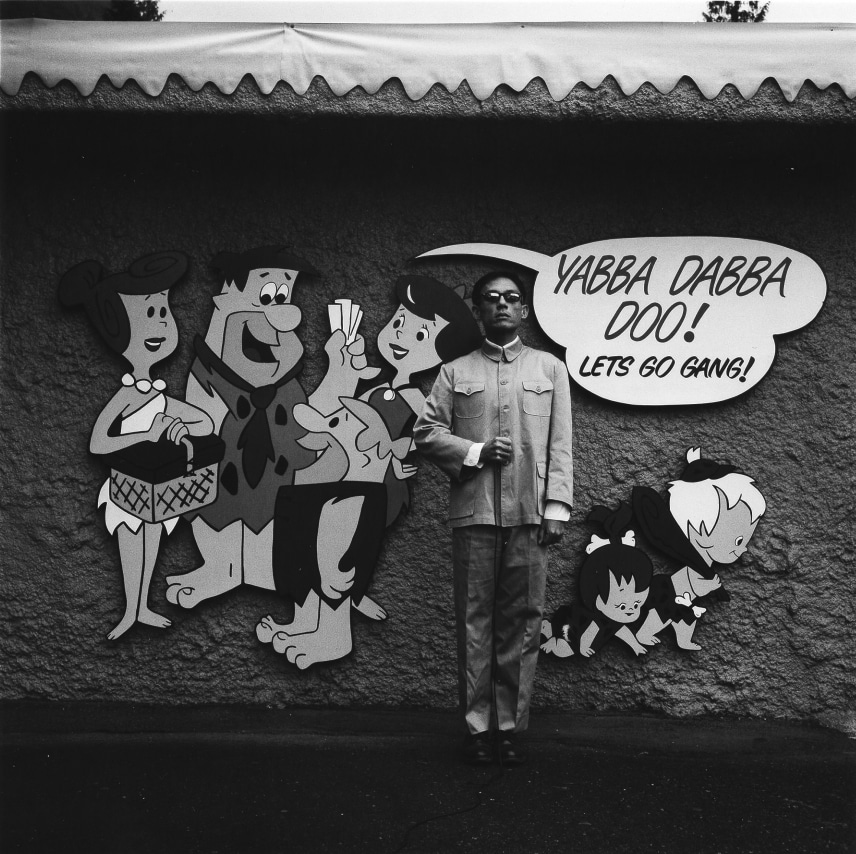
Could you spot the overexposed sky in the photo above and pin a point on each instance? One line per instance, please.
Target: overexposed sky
(458, 11)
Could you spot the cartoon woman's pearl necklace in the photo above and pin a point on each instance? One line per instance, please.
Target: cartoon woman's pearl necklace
(144, 386)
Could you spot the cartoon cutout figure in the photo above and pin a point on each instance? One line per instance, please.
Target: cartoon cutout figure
(131, 312)
(245, 377)
(614, 584)
(329, 525)
(284, 450)
(433, 324)
(328, 534)
(712, 513)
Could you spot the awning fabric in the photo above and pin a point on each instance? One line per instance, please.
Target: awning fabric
(422, 55)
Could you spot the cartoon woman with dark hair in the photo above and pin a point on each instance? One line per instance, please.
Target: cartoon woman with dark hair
(132, 314)
(615, 580)
(432, 325)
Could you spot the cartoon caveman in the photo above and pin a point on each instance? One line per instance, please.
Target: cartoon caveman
(245, 377)
(328, 530)
(711, 516)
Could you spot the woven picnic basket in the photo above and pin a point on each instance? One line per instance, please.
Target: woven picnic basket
(156, 481)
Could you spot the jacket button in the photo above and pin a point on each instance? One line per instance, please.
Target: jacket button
(503, 382)
(538, 389)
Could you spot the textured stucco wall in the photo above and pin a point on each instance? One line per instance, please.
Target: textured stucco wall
(359, 196)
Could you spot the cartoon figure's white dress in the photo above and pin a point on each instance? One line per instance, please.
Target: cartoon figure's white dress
(137, 422)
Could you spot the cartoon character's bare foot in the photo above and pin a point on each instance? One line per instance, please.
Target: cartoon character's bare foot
(150, 618)
(308, 649)
(123, 625)
(558, 647)
(553, 646)
(563, 649)
(266, 628)
(306, 616)
(369, 608)
(204, 583)
(684, 634)
(647, 639)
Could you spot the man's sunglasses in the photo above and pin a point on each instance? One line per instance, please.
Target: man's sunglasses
(511, 297)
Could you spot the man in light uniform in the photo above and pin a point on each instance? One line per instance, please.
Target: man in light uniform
(498, 422)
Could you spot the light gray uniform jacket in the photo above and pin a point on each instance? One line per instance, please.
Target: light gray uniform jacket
(516, 392)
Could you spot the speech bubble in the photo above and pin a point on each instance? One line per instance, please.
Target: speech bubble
(667, 321)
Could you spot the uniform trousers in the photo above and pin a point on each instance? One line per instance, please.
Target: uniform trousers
(500, 575)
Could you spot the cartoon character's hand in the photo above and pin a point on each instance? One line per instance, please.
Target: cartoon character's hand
(173, 428)
(639, 649)
(177, 431)
(403, 470)
(349, 358)
(369, 608)
(587, 651)
(357, 352)
(335, 348)
(705, 586)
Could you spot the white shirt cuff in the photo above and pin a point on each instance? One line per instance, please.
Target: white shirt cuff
(557, 510)
(472, 457)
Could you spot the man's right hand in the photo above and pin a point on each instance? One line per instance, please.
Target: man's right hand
(497, 450)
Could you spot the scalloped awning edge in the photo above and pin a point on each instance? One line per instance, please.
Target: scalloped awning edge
(420, 56)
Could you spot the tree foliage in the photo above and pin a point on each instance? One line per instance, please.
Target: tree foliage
(82, 10)
(134, 10)
(737, 12)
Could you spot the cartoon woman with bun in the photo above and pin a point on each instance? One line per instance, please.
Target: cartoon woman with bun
(131, 312)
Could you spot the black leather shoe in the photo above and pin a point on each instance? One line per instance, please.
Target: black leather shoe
(511, 752)
(477, 749)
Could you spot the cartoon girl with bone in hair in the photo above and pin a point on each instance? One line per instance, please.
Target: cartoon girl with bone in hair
(131, 312)
(614, 583)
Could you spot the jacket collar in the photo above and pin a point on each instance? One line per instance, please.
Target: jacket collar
(496, 353)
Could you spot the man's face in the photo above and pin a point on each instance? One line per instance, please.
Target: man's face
(498, 312)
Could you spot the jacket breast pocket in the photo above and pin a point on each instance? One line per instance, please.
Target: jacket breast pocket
(469, 400)
(537, 397)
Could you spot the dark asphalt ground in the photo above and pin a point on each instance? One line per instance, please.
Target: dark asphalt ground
(231, 780)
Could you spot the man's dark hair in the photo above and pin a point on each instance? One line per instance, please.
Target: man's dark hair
(237, 266)
(490, 278)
